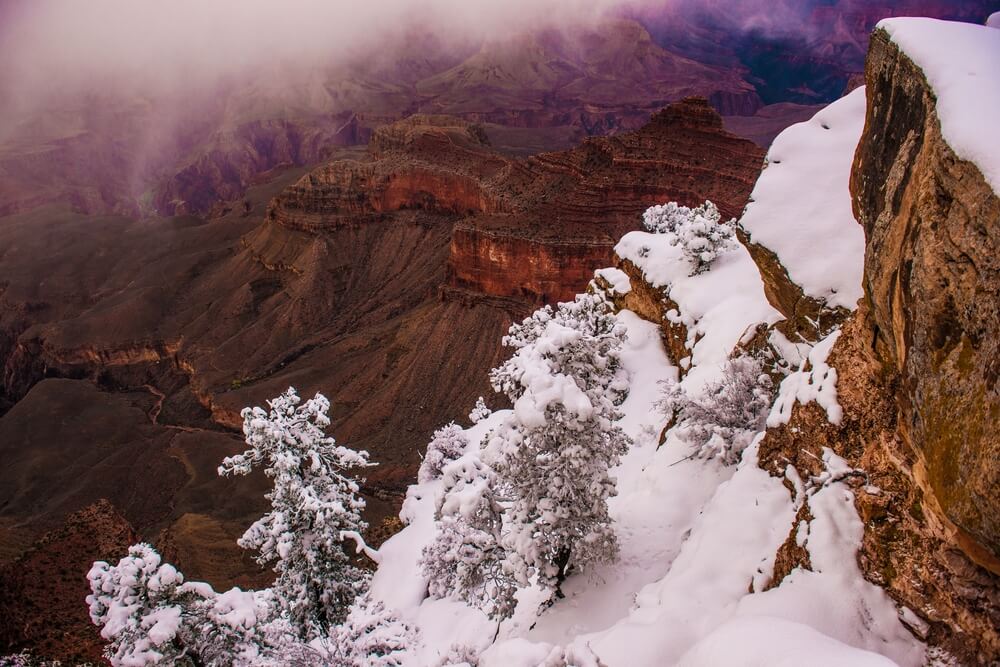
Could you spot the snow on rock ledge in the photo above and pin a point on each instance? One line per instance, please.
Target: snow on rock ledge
(718, 308)
(800, 209)
(960, 62)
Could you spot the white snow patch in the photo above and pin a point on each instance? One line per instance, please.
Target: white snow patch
(760, 641)
(800, 208)
(960, 61)
(814, 381)
(718, 307)
(616, 278)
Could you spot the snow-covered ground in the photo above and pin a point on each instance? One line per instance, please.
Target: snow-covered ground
(800, 208)
(960, 61)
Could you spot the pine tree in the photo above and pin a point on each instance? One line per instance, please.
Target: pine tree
(448, 443)
(150, 615)
(143, 610)
(314, 499)
(553, 453)
(480, 411)
(466, 560)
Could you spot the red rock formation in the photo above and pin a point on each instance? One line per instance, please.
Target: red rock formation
(565, 211)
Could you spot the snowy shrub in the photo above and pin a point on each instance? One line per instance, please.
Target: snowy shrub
(149, 615)
(372, 636)
(448, 443)
(480, 412)
(460, 655)
(466, 560)
(142, 610)
(314, 499)
(724, 418)
(553, 453)
(699, 231)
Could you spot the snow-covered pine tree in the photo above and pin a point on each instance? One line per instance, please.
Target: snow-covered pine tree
(480, 411)
(144, 614)
(447, 444)
(372, 636)
(314, 499)
(699, 231)
(553, 453)
(466, 560)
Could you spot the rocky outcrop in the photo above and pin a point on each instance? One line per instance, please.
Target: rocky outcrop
(437, 165)
(932, 277)
(565, 211)
(535, 271)
(917, 372)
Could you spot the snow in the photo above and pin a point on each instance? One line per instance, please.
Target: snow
(960, 63)
(815, 380)
(800, 208)
(616, 278)
(761, 641)
(719, 307)
(993, 21)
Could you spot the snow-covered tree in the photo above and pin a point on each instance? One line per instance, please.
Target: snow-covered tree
(448, 443)
(150, 615)
(552, 455)
(372, 636)
(723, 418)
(699, 231)
(480, 411)
(466, 560)
(314, 500)
(144, 613)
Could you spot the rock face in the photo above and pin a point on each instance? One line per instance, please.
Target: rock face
(933, 280)
(536, 229)
(917, 365)
(562, 213)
